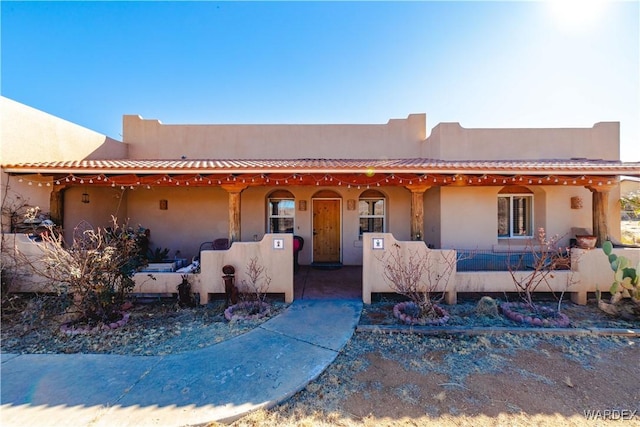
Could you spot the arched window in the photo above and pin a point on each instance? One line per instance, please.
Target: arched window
(515, 212)
(281, 212)
(372, 212)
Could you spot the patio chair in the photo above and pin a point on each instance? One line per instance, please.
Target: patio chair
(221, 244)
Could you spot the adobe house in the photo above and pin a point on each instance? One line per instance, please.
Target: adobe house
(336, 186)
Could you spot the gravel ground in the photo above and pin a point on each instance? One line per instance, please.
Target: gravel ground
(156, 327)
(391, 379)
(464, 314)
(159, 327)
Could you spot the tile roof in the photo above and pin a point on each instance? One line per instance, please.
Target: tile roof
(416, 165)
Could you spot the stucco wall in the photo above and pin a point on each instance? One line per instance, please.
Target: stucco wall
(153, 139)
(104, 202)
(433, 217)
(21, 195)
(376, 260)
(590, 272)
(451, 141)
(30, 135)
(469, 215)
(277, 263)
(194, 216)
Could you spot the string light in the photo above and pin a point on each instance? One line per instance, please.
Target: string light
(369, 181)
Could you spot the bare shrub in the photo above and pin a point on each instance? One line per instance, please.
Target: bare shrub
(185, 294)
(95, 272)
(418, 276)
(542, 257)
(253, 293)
(256, 288)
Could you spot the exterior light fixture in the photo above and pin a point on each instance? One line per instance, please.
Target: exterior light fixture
(85, 197)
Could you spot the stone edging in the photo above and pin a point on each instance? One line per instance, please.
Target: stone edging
(68, 329)
(459, 330)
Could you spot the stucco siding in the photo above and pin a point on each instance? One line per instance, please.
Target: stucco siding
(104, 202)
(193, 216)
(451, 141)
(153, 139)
(469, 217)
(30, 135)
(433, 217)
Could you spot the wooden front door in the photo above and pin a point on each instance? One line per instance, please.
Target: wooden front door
(326, 230)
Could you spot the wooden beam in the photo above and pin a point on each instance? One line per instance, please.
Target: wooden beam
(600, 207)
(56, 206)
(417, 210)
(234, 191)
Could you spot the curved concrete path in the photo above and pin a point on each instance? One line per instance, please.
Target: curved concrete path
(219, 383)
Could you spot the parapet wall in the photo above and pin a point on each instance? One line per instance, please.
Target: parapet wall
(399, 138)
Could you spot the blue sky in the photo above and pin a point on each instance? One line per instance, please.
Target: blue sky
(483, 64)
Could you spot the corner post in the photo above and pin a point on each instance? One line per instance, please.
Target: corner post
(234, 191)
(600, 207)
(56, 206)
(417, 209)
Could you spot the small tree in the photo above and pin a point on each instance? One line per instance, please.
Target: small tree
(95, 271)
(256, 288)
(418, 276)
(536, 265)
(253, 294)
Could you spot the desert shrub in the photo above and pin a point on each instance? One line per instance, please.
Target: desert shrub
(95, 272)
(541, 258)
(418, 275)
(256, 288)
(487, 306)
(185, 294)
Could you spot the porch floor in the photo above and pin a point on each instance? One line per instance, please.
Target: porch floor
(341, 283)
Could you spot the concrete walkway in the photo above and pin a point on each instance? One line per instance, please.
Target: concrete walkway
(219, 383)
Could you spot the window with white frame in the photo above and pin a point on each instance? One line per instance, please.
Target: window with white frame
(515, 213)
(281, 212)
(371, 210)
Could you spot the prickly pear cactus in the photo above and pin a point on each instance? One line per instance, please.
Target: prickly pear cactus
(625, 276)
(625, 284)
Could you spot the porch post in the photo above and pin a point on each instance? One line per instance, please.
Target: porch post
(56, 206)
(600, 207)
(417, 210)
(234, 191)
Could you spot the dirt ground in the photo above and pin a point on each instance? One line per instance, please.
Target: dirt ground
(488, 381)
(534, 383)
(398, 379)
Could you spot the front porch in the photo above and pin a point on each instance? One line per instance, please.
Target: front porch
(590, 271)
(324, 283)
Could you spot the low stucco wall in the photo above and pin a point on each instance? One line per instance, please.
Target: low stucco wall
(594, 271)
(209, 280)
(377, 247)
(590, 272)
(273, 252)
(18, 250)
